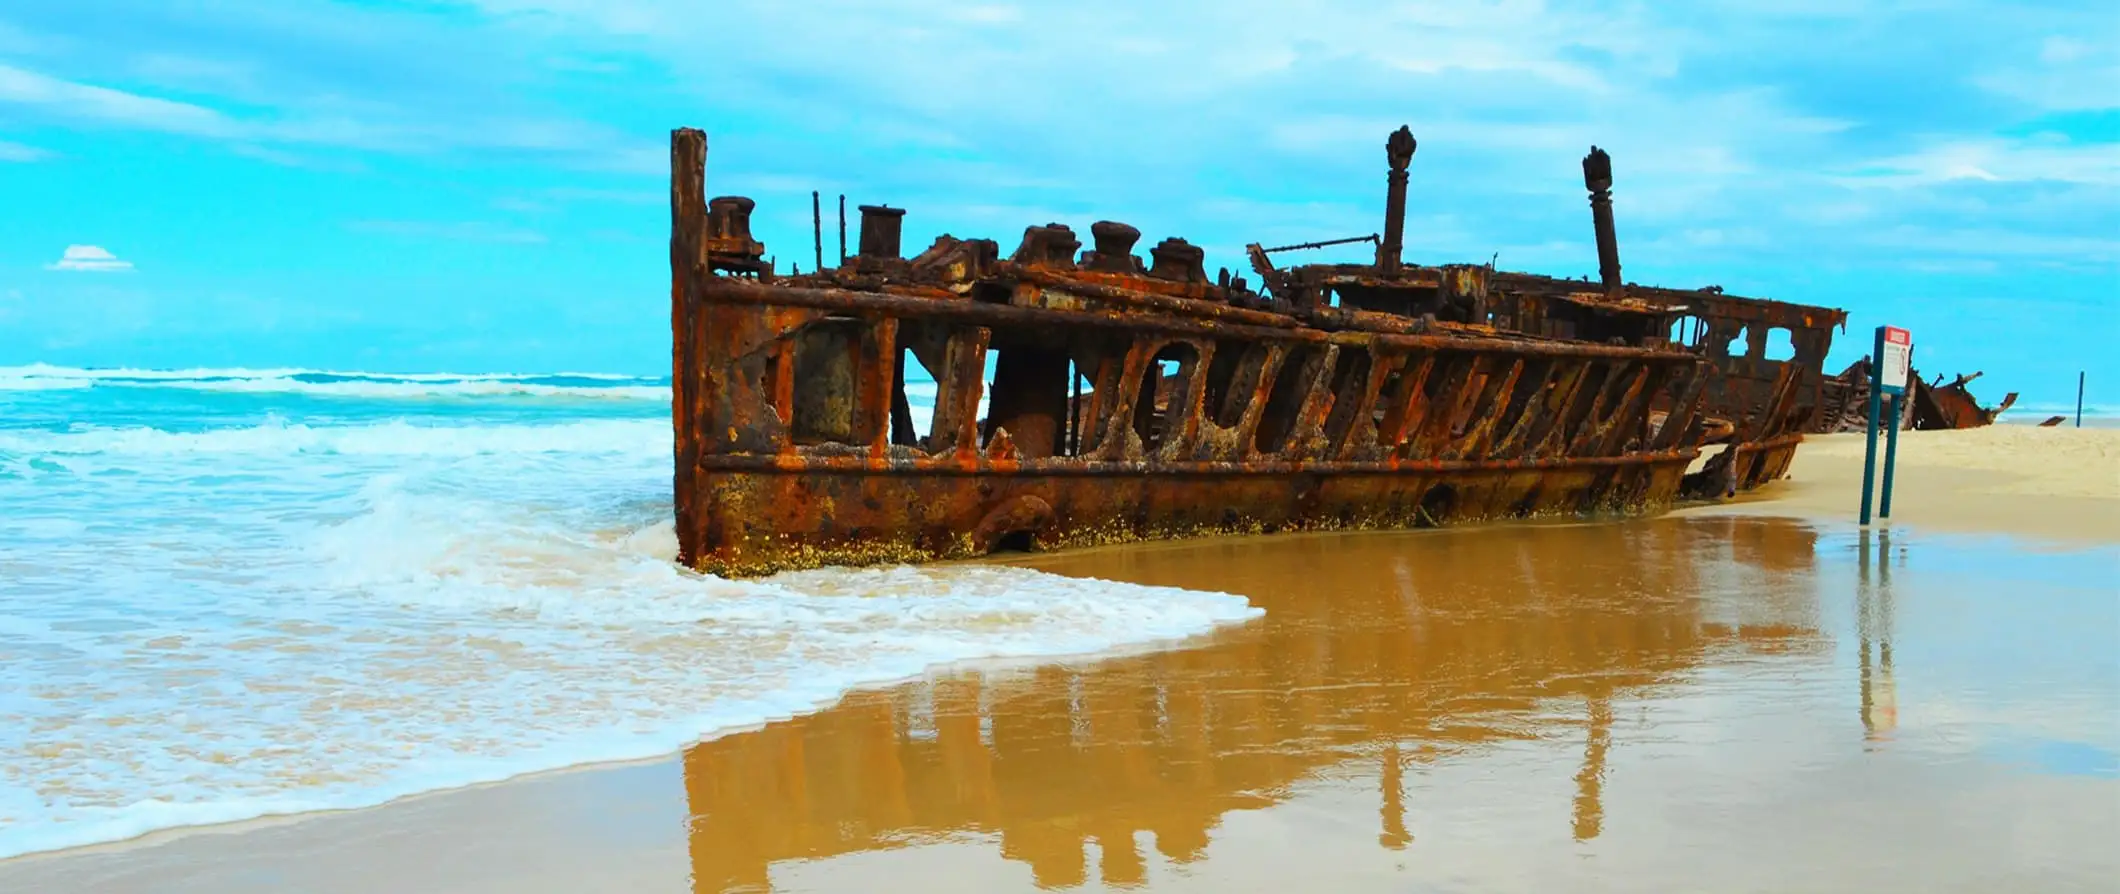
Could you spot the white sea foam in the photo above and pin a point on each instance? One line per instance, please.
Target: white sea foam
(48, 371)
(392, 438)
(368, 385)
(330, 383)
(215, 625)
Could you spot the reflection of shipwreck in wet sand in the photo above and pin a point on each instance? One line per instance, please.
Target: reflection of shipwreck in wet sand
(1332, 395)
(1368, 664)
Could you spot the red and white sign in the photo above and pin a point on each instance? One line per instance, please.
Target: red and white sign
(1898, 353)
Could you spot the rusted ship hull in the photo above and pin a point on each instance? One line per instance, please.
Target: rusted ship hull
(1100, 400)
(1421, 436)
(921, 516)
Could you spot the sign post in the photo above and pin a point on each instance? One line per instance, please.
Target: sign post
(1888, 387)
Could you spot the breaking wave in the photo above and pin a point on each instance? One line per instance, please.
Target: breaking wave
(205, 621)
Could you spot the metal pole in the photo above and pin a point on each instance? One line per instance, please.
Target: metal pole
(842, 230)
(1074, 412)
(1891, 454)
(2079, 399)
(817, 228)
(1869, 447)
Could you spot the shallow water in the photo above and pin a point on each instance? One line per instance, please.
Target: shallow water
(1673, 704)
(230, 593)
(1698, 704)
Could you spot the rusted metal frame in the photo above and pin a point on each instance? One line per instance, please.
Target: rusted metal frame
(781, 398)
(1462, 404)
(1309, 427)
(1764, 425)
(1246, 434)
(1076, 290)
(1571, 436)
(1632, 414)
(1105, 375)
(1118, 417)
(1485, 415)
(1436, 414)
(1182, 418)
(1750, 311)
(957, 390)
(1601, 427)
(1074, 406)
(1750, 400)
(1774, 443)
(688, 225)
(1200, 416)
(1529, 414)
(940, 466)
(1361, 433)
(1507, 415)
(1440, 415)
(1406, 405)
(1591, 388)
(1684, 409)
(1597, 377)
(736, 291)
(1549, 409)
(876, 377)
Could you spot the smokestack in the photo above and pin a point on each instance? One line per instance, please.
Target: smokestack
(1597, 177)
(1399, 148)
(879, 230)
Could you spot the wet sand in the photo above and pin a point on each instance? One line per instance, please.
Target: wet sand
(1724, 703)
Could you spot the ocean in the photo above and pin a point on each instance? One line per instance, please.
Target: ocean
(233, 593)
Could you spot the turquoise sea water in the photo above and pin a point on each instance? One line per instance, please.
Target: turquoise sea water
(231, 593)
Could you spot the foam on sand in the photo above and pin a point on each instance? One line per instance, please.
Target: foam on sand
(207, 626)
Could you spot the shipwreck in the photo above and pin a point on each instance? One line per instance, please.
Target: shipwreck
(1084, 396)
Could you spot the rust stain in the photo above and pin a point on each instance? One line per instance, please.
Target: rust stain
(1087, 396)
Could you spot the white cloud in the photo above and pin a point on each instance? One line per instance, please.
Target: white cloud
(17, 152)
(89, 259)
(318, 121)
(1995, 160)
(2065, 73)
(85, 101)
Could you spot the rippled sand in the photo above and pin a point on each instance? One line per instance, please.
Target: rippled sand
(1725, 703)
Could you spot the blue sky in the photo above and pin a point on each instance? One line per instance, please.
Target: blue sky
(480, 185)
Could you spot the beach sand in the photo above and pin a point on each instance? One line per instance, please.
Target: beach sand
(1722, 700)
(2051, 484)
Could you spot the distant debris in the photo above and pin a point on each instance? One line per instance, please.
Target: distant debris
(1844, 401)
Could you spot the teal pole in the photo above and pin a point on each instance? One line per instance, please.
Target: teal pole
(1869, 437)
(1891, 453)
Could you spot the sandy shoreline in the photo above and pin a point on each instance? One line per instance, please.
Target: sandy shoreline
(2060, 485)
(616, 828)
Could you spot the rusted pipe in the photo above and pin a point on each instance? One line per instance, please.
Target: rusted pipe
(1193, 307)
(1597, 177)
(1399, 150)
(739, 291)
(817, 229)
